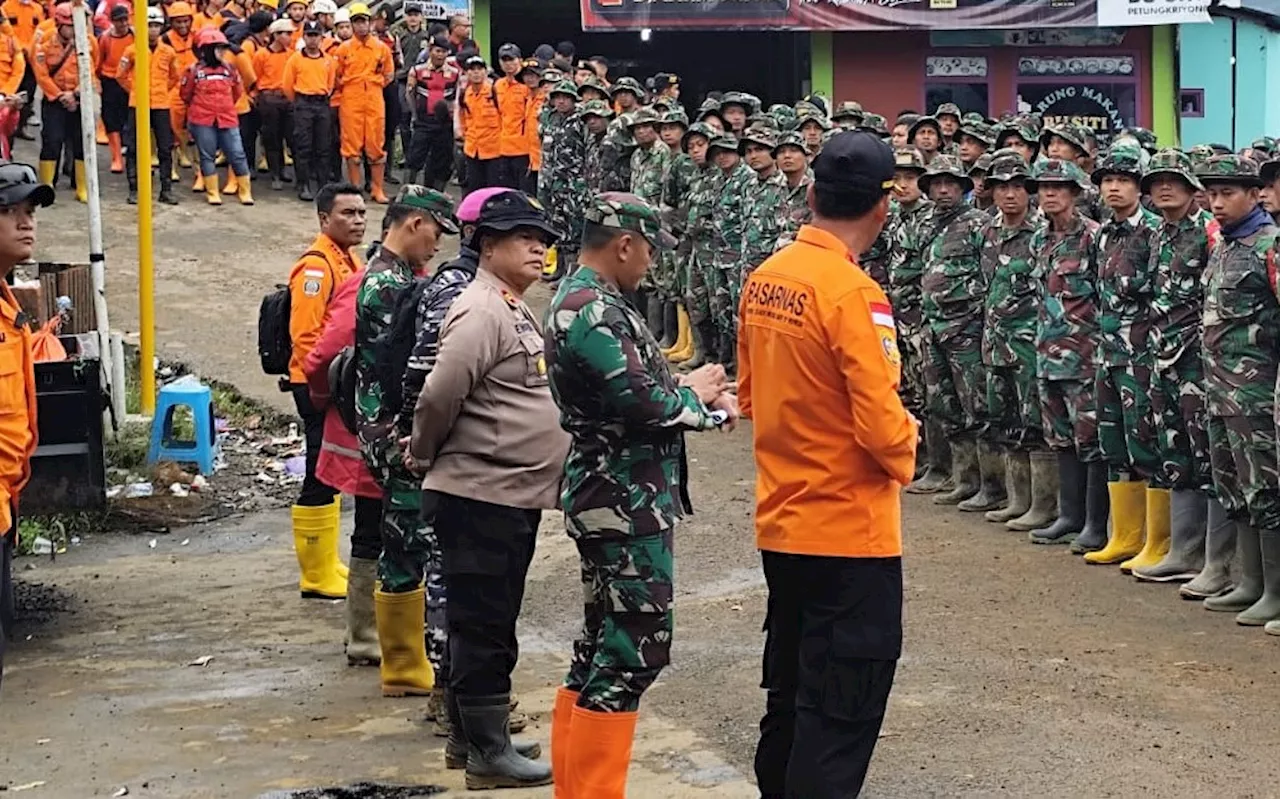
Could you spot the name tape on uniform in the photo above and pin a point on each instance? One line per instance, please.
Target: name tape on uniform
(778, 303)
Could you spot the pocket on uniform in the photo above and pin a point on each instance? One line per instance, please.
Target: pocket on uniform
(639, 623)
(13, 389)
(535, 361)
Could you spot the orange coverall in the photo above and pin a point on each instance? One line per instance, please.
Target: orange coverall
(364, 68)
(184, 56)
(24, 16)
(17, 406)
(13, 62)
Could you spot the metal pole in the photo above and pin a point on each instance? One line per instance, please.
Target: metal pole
(97, 262)
(142, 157)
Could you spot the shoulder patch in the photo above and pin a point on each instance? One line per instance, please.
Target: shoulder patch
(311, 287)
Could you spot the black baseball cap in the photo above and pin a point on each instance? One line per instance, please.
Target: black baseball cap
(120, 12)
(854, 161)
(440, 41)
(312, 28)
(474, 61)
(514, 209)
(508, 50)
(19, 183)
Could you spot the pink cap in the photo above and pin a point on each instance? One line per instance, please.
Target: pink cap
(469, 208)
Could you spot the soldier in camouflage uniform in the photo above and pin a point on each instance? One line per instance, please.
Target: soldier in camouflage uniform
(1070, 143)
(949, 118)
(700, 273)
(410, 551)
(926, 136)
(794, 212)
(767, 197)
(1241, 353)
(1009, 346)
(618, 142)
(561, 181)
(736, 108)
(1064, 253)
(729, 210)
(624, 488)
(784, 116)
(981, 197)
(953, 289)
(1126, 428)
(847, 115)
(1020, 134)
(1179, 252)
(595, 116)
(675, 210)
(973, 139)
(649, 164)
(874, 123)
(812, 126)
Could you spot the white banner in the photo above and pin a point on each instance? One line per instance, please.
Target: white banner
(1152, 12)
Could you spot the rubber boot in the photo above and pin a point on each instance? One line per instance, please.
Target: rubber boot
(82, 183)
(1267, 608)
(492, 761)
(355, 173)
(100, 135)
(1156, 543)
(1043, 467)
(698, 342)
(131, 177)
(405, 670)
(1271, 628)
(184, 158)
(117, 153)
(362, 627)
(964, 472)
(197, 185)
(1248, 588)
(1128, 516)
(335, 513)
(682, 349)
(653, 315)
(937, 475)
(232, 185)
(991, 492)
(166, 191)
(600, 753)
(262, 165)
(1097, 511)
(244, 190)
(304, 182)
(670, 325)
(211, 192)
(315, 539)
(1187, 512)
(1017, 468)
(1219, 550)
(48, 171)
(456, 750)
(1073, 481)
(378, 173)
(174, 174)
(561, 721)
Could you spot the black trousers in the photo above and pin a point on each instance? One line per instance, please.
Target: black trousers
(250, 125)
(27, 85)
(311, 138)
(276, 115)
(391, 94)
(366, 536)
(833, 638)
(313, 492)
(6, 590)
(115, 105)
(59, 127)
(481, 174)
(512, 170)
(486, 550)
(161, 134)
(431, 150)
(530, 184)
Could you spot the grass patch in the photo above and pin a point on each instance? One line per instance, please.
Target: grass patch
(58, 529)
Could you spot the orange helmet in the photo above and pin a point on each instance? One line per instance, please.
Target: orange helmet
(62, 14)
(208, 36)
(181, 9)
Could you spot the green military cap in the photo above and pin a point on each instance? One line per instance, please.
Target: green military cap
(435, 203)
(1170, 161)
(1122, 159)
(906, 119)
(724, 141)
(1020, 127)
(874, 123)
(643, 116)
(626, 120)
(753, 102)
(698, 129)
(758, 135)
(1230, 169)
(805, 108)
(551, 76)
(1006, 165)
(908, 158)
(784, 115)
(598, 108)
(1065, 131)
(594, 82)
(816, 118)
(1055, 170)
(735, 98)
(1266, 144)
(849, 109)
(565, 87)
(923, 122)
(948, 109)
(978, 129)
(1199, 154)
(660, 103)
(628, 84)
(675, 116)
(982, 165)
(792, 139)
(1145, 138)
(973, 116)
(1269, 171)
(708, 108)
(948, 165)
(762, 121)
(623, 211)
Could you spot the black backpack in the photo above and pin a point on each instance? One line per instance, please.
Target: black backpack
(275, 344)
(342, 387)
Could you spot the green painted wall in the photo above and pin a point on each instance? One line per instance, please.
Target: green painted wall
(1164, 91)
(480, 27)
(822, 63)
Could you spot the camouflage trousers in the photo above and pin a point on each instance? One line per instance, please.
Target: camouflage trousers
(1242, 456)
(663, 276)
(1126, 427)
(1070, 417)
(1013, 403)
(1177, 403)
(912, 351)
(726, 285)
(700, 276)
(411, 558)
(627, 619)
(956, 391)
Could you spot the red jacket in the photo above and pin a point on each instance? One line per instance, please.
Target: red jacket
(211, 94)
(340, 465)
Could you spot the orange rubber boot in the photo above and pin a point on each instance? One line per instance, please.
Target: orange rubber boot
(561, 719)
(376, 173)
(117, 153)
(600, 753)
(355, 175)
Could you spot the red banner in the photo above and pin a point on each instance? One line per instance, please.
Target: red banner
(847, 15)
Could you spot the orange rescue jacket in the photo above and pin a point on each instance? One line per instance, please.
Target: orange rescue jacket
(18, 431)
(480, 121)
(164, 74)
(513, 103)
(312, 283)
(56, 67)
(24, 16)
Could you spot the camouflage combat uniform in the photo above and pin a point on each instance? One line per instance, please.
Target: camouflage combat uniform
(1241, 350)
(700, 273)
(615, 155)
(677, 187)
(761, 236)
(875, 261)
(795, 211)
(1067, 329)
(625, 476)
(562, 183)
(906, 267)
(648, 171)
(593, 158)
(728, 226)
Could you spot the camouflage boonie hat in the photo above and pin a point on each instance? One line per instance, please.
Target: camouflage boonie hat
(708, 108)
(982, 165)
(735, 98)
(1065, 131)
(805, 108)
(828, 135)
(675, 116)
(874, 123)
(552, 76)
(762, 121)
(1265, 144)
(948, 165)
(758, 135)
(753, 103)
(1021, 128)
(1145, 138)
(1006, 165)
(565, 87)
(1055, 170)
(725, 141)
(628, 84)
(1121, 159)
(660, 104)
(595, 108)
(816, 118)
(698, 129)
(783, 115)
(849, 109)
(920, 123)
(594, 83)
(435, 203)
(792, 139)
(978, 129)
(1269, 171)
(1171, 161)
(908, 158)
(625, 119)
(628, 212)
(1230, 169)
(906, 119)
(1199, 154)
(643, 116)
(948, 109)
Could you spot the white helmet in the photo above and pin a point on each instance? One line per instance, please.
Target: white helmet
(155, 16)
(284, 25)
(324, 7)
(341, 16)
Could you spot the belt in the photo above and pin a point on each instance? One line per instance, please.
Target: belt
(314, 98)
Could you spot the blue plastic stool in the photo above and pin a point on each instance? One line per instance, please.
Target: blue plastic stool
(204, 450)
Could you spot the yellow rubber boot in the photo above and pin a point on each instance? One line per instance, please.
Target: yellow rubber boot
(100, 133)
(184, 157)
(336, 510)
(1156, 545)
(47, 170)
(198, 184)
(682, 350)
(82, 183)
(232, 184)
(315, 538)
(1128, 508)
(405, 670)
(262, 165)
(244, 190)
(211, 192)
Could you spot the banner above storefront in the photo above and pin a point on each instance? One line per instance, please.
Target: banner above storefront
(846, 15)
(1130, 13)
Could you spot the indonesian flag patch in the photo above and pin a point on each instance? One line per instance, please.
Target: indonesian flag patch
(882, 315)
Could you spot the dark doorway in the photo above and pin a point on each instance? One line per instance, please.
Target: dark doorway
(772, 65)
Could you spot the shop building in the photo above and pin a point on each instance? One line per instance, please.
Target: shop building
(1229, 75)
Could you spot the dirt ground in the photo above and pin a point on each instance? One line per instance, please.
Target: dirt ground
(1025, 672)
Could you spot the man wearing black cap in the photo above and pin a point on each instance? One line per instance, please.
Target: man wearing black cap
(431, 88)
(412, 41)
(20, 194)
(513, 99)
(821, 334)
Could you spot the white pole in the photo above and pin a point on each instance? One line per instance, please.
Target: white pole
(117, 376)
(97, 264)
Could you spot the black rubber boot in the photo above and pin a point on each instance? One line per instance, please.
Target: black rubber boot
(1249, 587)
(166, 190)
(1097, 504)
(991, 492)
(1072, 483)
(965, 474)
(699, 336)
(304, 181)
(937, 474)
(455, 751)
(131, 175)
(670, 326)
(492, 760)
(1219, 550)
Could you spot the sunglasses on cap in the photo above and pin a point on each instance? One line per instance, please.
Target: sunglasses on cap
(19, 183)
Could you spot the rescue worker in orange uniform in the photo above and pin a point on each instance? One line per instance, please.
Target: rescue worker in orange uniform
(58, 76)
(531, 74)
(24, 17)
(274, 111)
(180, 37)
(479, 126)
(513, 101)
(115, 99)
(308, 82)
(819, 368)
(20, 194)
(164, 76)
(259, 37)
(296, 12)
(365, 68)
(13, 68)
